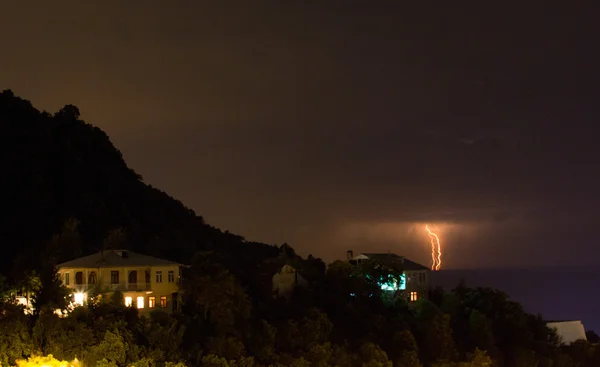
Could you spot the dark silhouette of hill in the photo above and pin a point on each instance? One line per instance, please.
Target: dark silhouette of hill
(61, 174)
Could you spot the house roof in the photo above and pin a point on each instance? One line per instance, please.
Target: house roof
(406, 263)
(115, 259)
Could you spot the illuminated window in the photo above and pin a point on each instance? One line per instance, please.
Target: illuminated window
(151, 302)
(163, 301)
(140, 302)
(159, 277)
(114, 277)
(67, 278)
(413, 296)
(171, 276)
(128, 301)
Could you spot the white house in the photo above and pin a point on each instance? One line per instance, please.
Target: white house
(286, 280)
(569, 331)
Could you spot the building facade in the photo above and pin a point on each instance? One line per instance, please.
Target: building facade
(414, 279)
(568, 331)
(147, 283)
(286, 280)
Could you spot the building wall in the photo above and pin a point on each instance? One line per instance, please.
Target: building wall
(569, 331)
(417, 281)
(286, 280)
(145, 286)
(417, 284)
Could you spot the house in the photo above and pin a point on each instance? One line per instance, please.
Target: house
(414, 281)
(568, 331)
(286, 280)
(146, 282)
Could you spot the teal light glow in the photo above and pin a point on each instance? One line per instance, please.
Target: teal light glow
(393, 284)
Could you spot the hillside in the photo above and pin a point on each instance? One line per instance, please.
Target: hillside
(67, 191)
(61, 174)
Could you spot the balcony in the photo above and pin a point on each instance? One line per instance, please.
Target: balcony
(138, 286)
(131, 287)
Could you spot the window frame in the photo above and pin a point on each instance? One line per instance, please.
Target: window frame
(114, 277)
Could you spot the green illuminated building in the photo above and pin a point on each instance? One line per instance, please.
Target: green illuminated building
(394, 273)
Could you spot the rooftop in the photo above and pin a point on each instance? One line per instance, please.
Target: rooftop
(406, 263)
(115, 259)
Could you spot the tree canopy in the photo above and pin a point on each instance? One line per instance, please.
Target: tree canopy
(70, 193)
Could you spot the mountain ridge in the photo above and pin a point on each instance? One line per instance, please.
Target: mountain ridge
(64, 177)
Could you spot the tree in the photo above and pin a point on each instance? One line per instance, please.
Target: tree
(163, 336)
(68, 113)
(112, 351)
(373, 356)
(406, 350)
(215, 293)
(115, 239)
(481, 333)
(261, 341)
(52, 294)
(67, 244)
(592, 337)
(64, 338)
(438, 344)
(15, 340)
(298, 336)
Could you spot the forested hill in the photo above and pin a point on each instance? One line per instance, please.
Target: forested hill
(66, 189)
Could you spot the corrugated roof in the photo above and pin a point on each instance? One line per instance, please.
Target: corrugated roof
(115, 258)
(406, 263)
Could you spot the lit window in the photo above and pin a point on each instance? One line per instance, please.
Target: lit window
(413, 296)
(151, 302)
(171, 276)
(140, 302)
(78, 298)
(128, 301)
(163, 301)
(66, 278)
(159, 277)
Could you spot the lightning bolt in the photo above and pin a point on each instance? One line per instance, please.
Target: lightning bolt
(436, 249)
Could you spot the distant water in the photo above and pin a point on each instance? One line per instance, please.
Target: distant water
(558, 293)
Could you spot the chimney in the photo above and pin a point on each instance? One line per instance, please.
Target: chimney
(349, 254)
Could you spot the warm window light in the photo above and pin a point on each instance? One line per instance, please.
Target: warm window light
(413, 296)
(79, 298)
(140, 302)
(128, 301)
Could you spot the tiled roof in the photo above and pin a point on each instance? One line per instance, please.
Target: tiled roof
(115, 258)
(406, 263)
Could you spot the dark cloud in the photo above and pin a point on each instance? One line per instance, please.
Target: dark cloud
(340, 125)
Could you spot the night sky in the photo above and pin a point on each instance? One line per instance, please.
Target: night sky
(341, 126)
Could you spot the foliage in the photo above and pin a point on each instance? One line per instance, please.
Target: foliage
(45, 361)
(71, 193)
